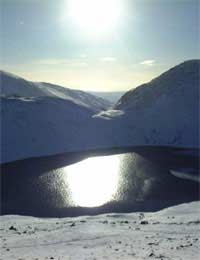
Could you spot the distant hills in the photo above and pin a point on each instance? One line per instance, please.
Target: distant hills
(112, 97)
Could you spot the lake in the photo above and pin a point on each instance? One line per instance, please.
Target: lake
(124, 180)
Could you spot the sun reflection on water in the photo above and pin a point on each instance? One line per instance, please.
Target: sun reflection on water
(94, 181)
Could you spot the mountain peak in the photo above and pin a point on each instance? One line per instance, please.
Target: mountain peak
(175, 81)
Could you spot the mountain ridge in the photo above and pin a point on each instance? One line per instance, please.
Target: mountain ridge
(176, 72)
(164, 114)
(12, 85)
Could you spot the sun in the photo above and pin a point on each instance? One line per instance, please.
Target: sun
(95, 16)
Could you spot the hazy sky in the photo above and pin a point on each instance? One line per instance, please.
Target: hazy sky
(97, 44)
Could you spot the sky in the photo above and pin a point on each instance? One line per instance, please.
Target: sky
(99, 45)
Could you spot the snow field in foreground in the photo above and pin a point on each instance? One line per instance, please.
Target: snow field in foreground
(172, 233)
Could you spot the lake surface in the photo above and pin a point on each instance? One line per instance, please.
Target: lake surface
(68, 185)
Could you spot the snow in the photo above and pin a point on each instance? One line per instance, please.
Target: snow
(40, 126)
(186, 174)
(77, 96)
(172, 233)
(109, 114)
(12, 85)
(44, 119)
(167, 108)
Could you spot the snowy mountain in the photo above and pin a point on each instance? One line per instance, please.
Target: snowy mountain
(42, 119)
(172, 233)
(164, 111)
(12, 85)
(176, 83)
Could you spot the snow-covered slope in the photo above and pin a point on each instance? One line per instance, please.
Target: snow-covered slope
(164, 111)
(40, 125)
(180, 84)
(172, 233)
(12, 85)
(41, 118)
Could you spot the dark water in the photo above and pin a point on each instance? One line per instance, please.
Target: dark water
(56, 186)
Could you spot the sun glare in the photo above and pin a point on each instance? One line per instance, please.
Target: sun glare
(95, 16)
(94, 181)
